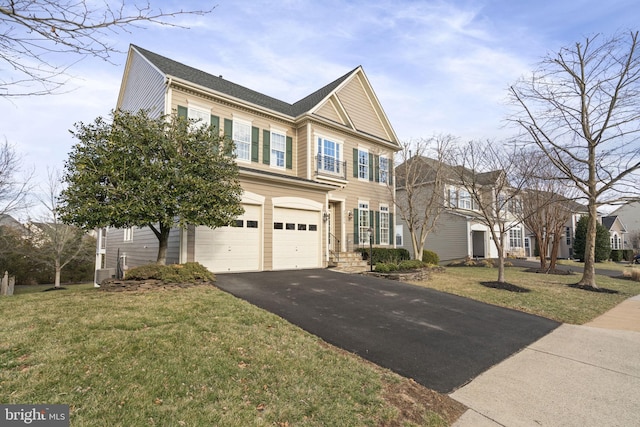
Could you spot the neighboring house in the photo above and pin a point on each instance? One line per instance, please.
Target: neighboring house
(315, 173)
(617, 232)
(10, 222)
(629, 215)
(459, 231)
(565, 250)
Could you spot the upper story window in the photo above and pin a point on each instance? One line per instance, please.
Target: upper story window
(202, 115)
(452, 196)
(567, 233)
(329, 155)
(363, 164)
(464, 200)
(242, 139)
(384, 170)
(278, 147)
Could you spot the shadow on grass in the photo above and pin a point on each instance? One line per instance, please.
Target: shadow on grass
(505, 287)
(592, 289)
(55, 289)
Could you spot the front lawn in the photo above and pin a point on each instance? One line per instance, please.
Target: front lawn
(192, 357)
(549, 294)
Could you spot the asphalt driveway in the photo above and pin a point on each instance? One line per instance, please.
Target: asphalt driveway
(442, 341)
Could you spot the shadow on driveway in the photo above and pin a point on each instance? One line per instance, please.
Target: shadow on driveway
(442, 341)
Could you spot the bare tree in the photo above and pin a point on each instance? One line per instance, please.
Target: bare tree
(547, 206)
(494, 175)
(420, 176)
(581, 108)
(59, 243)
(35, 32)
(14, 187)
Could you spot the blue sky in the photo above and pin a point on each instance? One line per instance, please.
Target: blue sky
(436, 66)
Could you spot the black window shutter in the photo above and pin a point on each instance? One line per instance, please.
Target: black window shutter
(182, 111)
(289, 154)
(356, 227)
(392, 236)
(255, 143)
(370, 167)
(371, 219)
(215, 122)
(377, 227)
(355, 162)
(266, 147)
(228, 129)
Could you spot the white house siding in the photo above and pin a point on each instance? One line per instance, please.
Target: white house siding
(144, 89)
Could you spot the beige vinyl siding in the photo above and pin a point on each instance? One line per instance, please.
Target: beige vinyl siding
(360, 109)
(224, 111)
(450, 239)
(272, 190)
(145, 88)
(301, 160)
(328, 111)
(143, 249)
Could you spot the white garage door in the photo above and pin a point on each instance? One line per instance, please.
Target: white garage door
(233, 248)
(296, 239)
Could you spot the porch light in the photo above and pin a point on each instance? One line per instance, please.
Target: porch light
(325, 216)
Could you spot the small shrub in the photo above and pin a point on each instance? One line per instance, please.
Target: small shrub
(385, 267)
(430, 257)
(385, 255)
(635, 275)
(413, 264)
(191, 272)
(470, 263)
(616, 255)
(508, 264)
(627, 254)
(486, 263)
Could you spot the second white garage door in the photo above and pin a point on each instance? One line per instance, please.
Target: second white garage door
(296, 239)
(234, 248)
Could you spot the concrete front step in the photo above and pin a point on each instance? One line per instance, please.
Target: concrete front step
(347, 260)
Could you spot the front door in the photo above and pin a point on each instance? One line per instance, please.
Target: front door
(478, 244)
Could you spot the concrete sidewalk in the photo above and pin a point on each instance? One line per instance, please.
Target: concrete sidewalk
(585, 375)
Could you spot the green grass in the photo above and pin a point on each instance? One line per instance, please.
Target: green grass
(190, 357)
(605, 265)
(549, 297)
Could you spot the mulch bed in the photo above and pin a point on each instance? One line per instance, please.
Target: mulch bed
(114, 285)
(505, 287)
(592, 289)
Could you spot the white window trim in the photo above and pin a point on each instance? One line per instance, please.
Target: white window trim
(238, 120)
(128, 234)
(339, 149)
(202, 113)
(384, 232)
(385, 182)
(364, 236)
(364, 150)
(272, 158)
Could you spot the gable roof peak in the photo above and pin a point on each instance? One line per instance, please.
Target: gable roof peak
(170, 67)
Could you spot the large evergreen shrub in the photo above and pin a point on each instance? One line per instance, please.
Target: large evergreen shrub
(603, 242)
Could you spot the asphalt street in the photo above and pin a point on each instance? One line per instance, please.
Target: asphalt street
(442, 341)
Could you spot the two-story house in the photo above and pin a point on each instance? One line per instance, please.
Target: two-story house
(460, 230)
(316, 174)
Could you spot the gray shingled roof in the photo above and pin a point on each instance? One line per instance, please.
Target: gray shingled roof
(176, 69)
